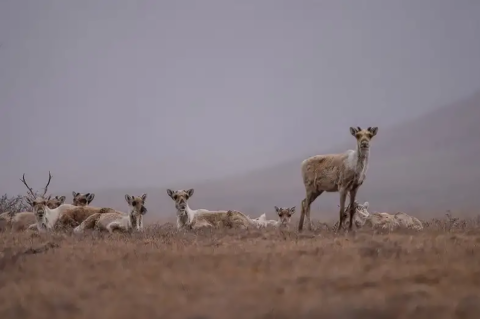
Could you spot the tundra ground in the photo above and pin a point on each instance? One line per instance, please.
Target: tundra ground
(222, 274)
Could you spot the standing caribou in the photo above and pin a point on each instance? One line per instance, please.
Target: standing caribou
(343, 173)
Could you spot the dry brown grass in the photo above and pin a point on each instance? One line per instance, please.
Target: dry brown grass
(274, 274)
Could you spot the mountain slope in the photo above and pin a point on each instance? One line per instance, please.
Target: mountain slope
(430, 163)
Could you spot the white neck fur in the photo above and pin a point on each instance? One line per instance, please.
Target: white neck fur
(51, 217)
(358, 160)
(138, 219)
(183, 220)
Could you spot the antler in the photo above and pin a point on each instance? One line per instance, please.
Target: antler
(30, 190)
(32, 193)
(48, 183)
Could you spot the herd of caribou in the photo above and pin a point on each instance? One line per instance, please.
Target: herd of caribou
(343, 173)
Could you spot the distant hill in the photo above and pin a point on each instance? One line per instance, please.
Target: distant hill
(427, 164)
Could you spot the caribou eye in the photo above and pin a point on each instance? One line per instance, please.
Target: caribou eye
(134, 203)
(175, 197)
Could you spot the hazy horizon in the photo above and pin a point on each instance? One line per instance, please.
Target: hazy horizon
(119, 94)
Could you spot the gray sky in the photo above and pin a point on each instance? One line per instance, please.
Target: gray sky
(117, 93)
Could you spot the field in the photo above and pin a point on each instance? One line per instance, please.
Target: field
(163, 273)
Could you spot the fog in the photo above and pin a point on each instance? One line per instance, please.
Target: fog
(134, 94)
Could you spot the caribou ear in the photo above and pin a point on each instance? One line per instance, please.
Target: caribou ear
(90, 197)
(62, 199)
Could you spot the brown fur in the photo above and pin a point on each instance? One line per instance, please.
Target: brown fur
(82, 199)
(23, 220)
(331, 173)
(382, 221)
(92, 220)
(137, 209)
(101, 219)
(105, 221)
(55, 202)
(74, 217)
(38, 203)
(407, 221)
(221, 219)
(111, 220)
(284, 215)
(360, 216)
(50, 202)
(203, 217)
(6, 216)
